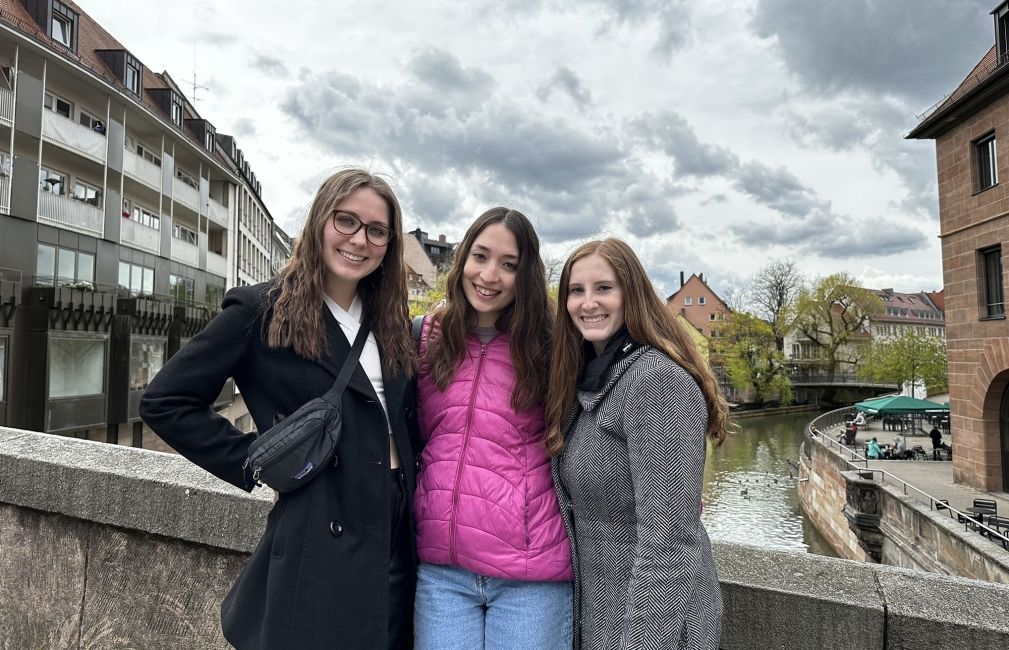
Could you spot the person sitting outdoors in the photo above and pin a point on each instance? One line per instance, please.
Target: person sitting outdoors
(900, 448)
(872, 449)
(860, 419)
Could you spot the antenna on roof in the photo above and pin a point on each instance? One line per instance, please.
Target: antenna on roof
(192, 84)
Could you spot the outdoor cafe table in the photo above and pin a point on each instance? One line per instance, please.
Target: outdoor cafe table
(978, 513)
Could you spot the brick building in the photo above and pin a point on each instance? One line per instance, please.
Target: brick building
(974, 229)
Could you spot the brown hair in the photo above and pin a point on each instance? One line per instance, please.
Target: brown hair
(526, 319)
(648, 321)
(297, 320)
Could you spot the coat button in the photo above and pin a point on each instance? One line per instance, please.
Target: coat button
(336, 528)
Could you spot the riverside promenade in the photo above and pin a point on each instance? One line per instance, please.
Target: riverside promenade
(934, 477)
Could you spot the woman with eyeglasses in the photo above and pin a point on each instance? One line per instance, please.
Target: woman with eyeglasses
(335, 567)
(495, 571)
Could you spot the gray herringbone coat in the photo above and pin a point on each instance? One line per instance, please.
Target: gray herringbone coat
(629, 484)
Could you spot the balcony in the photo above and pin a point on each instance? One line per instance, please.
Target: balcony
(217, 213)
(217, 264)
(185, 252)
(6, 106)
(73, 136)
(186, 195)
(5, 194)
(144, 171)
(140, 236)
(71, 213)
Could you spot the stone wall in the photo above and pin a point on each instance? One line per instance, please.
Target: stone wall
(822, 495)
(111, 547)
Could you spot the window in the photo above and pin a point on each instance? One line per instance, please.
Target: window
(63, 266)
(711, 317)
(688, 300)
(136, 280)
(148, 154)
(5, 164)
(177, 109)
(182, 289)
(62, 29)
(91, 122)
(186, 178)
(215, 295)
(146, 217)
(984, 154)
(146, 359)
(132, 75)
(185, 234)
(700, 300)
(76, 367)
(3, 364)
(990, 277)
(59, 105)
(87, 193)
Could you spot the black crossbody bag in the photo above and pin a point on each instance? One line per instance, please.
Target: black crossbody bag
(292, 452)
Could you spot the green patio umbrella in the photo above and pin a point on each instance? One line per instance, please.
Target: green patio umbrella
(901, 405)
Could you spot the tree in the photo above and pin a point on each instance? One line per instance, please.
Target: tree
(834, 316)
(744, 345)
(434, 295)
(773, 293)
(911, 357)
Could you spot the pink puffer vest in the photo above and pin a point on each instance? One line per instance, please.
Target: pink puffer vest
(484, 499)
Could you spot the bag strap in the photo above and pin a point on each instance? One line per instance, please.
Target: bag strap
(349, 364)
(418, 328)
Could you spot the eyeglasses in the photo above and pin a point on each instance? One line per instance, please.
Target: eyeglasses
(348, 224)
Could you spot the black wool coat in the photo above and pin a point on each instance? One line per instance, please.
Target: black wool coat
(319, 576)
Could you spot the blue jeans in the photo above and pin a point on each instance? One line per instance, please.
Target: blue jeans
(457, 609)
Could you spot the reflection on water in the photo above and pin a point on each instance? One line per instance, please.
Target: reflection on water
(750, 488)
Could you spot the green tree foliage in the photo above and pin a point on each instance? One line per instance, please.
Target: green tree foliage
(834, 315)
(745, 346)
(426, 303)
(911, 357)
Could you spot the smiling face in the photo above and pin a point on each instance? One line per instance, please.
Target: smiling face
(488, 276)
(349, 258)
(595, 300)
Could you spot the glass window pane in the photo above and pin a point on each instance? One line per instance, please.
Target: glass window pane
(67, 260)
(148, 281)
(124, 275)
(85, 267)
(136, 279)
(76, 367)
(45, 268)
(146, 359)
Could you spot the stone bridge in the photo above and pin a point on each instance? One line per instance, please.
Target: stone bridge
(103, 546)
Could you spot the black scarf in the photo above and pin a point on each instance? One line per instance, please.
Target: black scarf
(594, 368)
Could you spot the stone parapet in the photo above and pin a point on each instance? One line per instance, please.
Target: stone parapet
(107, 547)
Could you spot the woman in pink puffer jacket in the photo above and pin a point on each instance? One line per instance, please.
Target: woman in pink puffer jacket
(495, 566)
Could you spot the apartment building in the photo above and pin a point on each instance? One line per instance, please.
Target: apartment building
(440, 251)
(967, 127)
(121, 223)
(907, 313)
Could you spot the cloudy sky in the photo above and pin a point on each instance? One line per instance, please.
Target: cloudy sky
(715, 136)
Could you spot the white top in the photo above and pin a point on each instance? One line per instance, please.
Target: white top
(350, 322)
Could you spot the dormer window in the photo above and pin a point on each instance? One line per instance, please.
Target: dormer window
(63, 27)
(132, 76)
(177, 109)
(1001, 14)
(126, 67)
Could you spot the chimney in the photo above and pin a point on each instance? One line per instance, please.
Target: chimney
(681, 279)
(441, 238)
(700, 276)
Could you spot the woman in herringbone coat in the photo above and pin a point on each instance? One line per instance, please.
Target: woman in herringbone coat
(630, 406)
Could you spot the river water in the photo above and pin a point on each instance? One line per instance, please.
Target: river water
(750, 488)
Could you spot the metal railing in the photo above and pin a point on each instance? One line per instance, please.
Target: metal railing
(71, 213)
(833, 418)
(5, 194)
(72, 135)
(143, 170)
(6, 105)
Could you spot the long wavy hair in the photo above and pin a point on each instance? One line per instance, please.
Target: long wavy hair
(648, 321)
(296, 317)
(526, 320)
